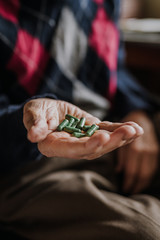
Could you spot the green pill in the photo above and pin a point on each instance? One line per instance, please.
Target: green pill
(62, 125)
(78, 135)
(71, 121)
(81, 123)
(75, 123)
(71, 129)
(86, 127)
(68, 116)
(92, 129)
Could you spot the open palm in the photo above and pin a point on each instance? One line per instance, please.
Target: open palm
(42, 116)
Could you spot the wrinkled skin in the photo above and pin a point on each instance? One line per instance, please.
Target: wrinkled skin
(42, 116)
(139, 159)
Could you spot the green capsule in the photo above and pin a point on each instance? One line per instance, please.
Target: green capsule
(81, 123)
(92, 129)
(78, 135)
(75, 123)
(86, 127)
(71, 121)
(71, 129)
(62, 125)
(68, 116)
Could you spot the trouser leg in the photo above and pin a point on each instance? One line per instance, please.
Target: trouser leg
(76, 204)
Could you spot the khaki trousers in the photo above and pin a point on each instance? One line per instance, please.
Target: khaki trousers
(60, 199)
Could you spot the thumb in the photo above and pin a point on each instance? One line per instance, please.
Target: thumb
(38, 131)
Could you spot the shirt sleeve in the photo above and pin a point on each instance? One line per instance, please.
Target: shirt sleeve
(16, 149)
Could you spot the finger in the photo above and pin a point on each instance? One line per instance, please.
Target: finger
(109, 126)
(107, 142)
(131, 169)
(121, 156)
(116, 140)
(128, 132)
(28, 120)
(110, 141)
(138, 128)
(147, 170)
(62, 144)
(142, 185)
(38, 131)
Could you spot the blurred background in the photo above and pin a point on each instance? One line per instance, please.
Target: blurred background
(140, 26)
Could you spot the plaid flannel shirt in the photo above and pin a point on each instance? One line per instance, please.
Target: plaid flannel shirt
(67, 49)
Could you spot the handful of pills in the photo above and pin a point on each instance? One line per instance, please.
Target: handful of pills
(77, 126)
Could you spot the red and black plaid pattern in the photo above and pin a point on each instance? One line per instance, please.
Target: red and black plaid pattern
(21, 30)
(26, 32)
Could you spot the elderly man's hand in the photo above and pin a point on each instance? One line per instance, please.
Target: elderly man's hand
(42, 116)
(139, 160)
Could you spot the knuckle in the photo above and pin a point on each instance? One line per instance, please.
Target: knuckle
(150, 151)
(135, 148)
(131, 172)
(145, 175)
(155, 149)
